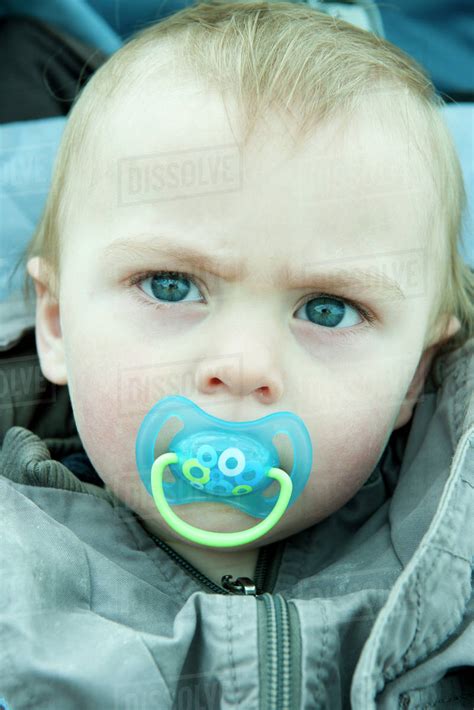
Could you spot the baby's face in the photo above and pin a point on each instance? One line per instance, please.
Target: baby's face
(244, 330)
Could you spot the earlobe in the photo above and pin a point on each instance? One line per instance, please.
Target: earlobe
(49, 340)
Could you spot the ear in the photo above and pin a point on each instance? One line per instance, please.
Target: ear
(424, 366)
(49, 342)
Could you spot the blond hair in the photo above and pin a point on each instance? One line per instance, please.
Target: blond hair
(285, 55)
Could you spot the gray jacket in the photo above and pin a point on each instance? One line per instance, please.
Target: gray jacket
(371, 608)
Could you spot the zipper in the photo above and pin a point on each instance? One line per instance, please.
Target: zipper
(241, 585)
(278, 692)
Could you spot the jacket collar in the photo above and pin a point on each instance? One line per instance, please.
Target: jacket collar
(432, 512)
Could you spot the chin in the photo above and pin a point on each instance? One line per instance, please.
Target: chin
(215, 517)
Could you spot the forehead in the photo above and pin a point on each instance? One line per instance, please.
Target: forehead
(169, 115)
(353, 184)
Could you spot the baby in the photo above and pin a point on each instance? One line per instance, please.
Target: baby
(256, 229)
(258, 207)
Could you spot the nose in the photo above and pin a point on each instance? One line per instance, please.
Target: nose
(249, 372)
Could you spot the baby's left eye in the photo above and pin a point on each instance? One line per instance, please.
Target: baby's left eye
(330, 312)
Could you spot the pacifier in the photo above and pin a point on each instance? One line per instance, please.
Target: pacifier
(214, 460)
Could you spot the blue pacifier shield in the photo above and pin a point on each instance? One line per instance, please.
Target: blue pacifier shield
(223, 461)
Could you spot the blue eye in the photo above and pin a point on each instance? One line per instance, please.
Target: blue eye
(330, 312)
(168, 286)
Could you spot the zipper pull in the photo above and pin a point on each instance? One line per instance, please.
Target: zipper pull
(242, 585)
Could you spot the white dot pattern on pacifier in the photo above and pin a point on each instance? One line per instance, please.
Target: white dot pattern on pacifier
(227, 456)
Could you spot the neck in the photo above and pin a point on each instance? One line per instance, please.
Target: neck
(211, 562)
(216, 563)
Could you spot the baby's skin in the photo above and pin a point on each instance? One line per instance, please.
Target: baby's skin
(249, 332)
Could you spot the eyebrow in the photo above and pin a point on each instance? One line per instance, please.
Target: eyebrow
(135, 248)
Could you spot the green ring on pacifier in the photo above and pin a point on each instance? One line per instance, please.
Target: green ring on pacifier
(243, 488)
(208, 537)
(194, 463)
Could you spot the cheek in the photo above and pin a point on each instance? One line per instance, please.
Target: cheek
(350, 429)
(111, 390)
(108, 433)
(344, 456)
(105, 423)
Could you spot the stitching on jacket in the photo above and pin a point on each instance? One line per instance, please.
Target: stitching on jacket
(418, 608)
(448, 552)
(451, 524)
(230, 651)
(431, 642)
(321, 696)
(405, 663)
(446, 632)
(460, 378)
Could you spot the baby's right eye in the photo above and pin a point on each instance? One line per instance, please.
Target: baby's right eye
(166, 286)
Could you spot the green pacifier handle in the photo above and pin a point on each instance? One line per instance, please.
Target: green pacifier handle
(208, 537)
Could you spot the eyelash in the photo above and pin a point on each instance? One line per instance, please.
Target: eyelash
(343, 332)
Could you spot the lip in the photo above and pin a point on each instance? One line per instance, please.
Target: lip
(238, 413)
